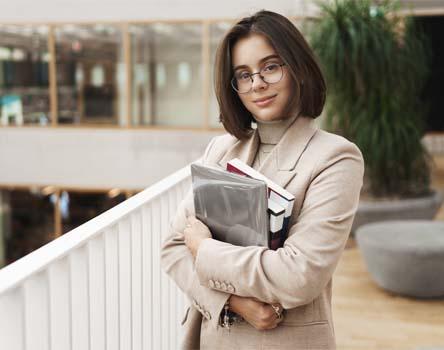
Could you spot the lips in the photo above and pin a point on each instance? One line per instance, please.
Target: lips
(264, 101)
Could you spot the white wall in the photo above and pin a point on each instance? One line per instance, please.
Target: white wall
(129, 159)
(124, 10)
(121, 10)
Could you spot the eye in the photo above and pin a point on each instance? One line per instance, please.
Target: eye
(243, 76)
(270, 68)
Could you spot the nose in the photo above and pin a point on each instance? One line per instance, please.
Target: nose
(258, 83)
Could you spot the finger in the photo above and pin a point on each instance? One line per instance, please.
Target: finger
(270, 318)
(187, 232)
(272, 325)
(277, 320)
(276, 324)
(192, 219)
(257, 300)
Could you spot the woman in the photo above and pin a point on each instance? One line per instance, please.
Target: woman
(267, 74)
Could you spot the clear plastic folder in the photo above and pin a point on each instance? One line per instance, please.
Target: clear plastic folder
(233, 206)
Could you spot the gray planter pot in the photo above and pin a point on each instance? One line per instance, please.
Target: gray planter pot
(423, 208)
(405, 257)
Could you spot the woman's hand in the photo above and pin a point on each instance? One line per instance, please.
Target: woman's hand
(260, 315)
(195, 232)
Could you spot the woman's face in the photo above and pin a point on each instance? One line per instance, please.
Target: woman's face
(266, 102)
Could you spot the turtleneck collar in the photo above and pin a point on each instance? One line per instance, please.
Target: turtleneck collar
(271, 132)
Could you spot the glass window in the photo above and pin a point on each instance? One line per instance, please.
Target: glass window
(167, 74)
(160, 76)
(217, 31)
(24, 91)
(27, 221)
(91, 80)
(184, 75)
(77, 207)
(98, 76)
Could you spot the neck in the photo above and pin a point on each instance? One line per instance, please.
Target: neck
(270, 132)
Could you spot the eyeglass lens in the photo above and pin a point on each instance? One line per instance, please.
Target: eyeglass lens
(271, 73)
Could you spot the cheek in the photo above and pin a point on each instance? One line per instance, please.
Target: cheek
(288, 91)
(245, 101)
(288, 86)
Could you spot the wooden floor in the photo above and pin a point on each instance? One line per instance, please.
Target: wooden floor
(367, 317)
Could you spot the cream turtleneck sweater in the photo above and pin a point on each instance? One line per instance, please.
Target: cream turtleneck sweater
(270, 134)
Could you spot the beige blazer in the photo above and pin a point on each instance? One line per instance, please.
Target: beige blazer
(325, 173)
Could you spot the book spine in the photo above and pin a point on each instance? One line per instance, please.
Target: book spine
(288, 205)
(285, 227)
(276, 220)
(275, 240)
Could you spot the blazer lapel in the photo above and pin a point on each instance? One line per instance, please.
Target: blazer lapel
(286, 153)
(244, 150)
(280, 165)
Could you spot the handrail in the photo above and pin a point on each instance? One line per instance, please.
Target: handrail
(99, 286)
(13, 274)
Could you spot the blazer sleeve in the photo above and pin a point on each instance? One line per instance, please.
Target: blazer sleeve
(297, 273)
(178, 263)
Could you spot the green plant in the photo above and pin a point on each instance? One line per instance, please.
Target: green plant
(375, 63)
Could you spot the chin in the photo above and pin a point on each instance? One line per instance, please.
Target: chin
(267, 117)
(265, 120)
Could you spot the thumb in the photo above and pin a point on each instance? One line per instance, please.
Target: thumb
(192, 220)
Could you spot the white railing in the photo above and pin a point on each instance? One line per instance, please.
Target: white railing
(99, 286)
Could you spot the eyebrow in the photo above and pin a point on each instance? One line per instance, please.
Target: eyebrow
(260, 61)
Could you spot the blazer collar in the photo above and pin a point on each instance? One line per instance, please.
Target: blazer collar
(244, 150)
(284, 155)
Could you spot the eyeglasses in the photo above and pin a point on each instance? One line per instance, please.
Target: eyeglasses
(272, 73)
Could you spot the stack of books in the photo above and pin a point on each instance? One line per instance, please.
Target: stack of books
(280, 202)
(241, 206)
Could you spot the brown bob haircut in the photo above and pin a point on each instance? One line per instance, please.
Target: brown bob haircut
(290, 45)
